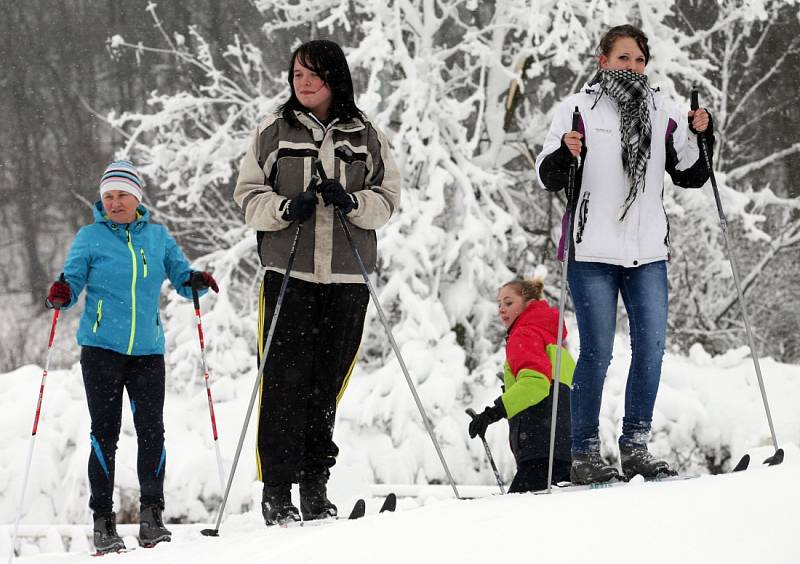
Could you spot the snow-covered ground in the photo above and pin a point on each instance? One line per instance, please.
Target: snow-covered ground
(738, 518)
(709, 413)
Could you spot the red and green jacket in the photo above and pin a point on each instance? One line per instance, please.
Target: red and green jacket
(531, 358)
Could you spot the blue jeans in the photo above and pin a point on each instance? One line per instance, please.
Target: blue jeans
(594, 288)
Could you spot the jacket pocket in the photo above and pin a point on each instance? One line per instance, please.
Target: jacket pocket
(98, 316)
(583, 216)
(144, 262)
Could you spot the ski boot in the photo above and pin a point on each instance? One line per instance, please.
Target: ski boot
(106, 538)
(590, 468)
(314, 502)
(276, 505)
(151, 527)
(636, 459)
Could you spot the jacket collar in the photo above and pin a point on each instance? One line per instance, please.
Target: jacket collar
(318, 129)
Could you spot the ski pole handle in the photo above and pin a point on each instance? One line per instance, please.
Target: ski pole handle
(573, 165)
(195, 298)
(576, 119)
(194, 284)
(694, 105)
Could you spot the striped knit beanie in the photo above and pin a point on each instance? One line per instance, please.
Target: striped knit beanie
(122, 175)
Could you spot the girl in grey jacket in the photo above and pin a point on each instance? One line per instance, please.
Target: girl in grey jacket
(318, 333)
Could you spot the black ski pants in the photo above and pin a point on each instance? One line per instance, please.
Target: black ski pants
(532, 475)
(105, 374)
(313, 351)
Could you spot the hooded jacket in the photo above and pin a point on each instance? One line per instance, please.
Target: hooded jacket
(528, 374)
(597, 233)
(280, 164)
(122, 268)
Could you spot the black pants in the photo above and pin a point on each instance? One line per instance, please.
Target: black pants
(105, 374)
(309, 362)
(532, 475)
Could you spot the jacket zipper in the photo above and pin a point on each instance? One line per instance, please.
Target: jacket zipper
(98, 317)
(133, 292)
(144, 262)
(583, 213)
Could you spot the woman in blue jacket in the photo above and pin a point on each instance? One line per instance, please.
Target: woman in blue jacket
(121, 260)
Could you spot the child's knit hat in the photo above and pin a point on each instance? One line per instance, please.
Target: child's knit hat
(122, 175)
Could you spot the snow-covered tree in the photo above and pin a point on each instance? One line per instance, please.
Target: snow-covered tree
(464, 90)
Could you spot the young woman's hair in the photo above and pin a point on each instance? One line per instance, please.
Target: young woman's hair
(327, 60)
(528, 288)
(627, 30)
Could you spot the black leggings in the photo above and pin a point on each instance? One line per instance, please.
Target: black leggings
(105, 374)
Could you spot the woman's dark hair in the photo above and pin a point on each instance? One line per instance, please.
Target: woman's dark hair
(327, 60)
(627, 30)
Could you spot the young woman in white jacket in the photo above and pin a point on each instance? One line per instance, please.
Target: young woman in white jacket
(629, 135)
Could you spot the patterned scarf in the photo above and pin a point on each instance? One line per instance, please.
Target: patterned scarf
(630, 91)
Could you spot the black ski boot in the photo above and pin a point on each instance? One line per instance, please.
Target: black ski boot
(276, 505)
(151, 527)
(106, 538)
(636, 459)
(314, 502)
(590, 468)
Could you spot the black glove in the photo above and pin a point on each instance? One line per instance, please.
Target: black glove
(333, 193)
(481, 421)
(202, 280)
(300, 207)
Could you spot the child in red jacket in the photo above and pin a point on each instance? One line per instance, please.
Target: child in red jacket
(527, 399)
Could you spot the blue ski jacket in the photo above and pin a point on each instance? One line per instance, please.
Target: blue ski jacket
(122, 268)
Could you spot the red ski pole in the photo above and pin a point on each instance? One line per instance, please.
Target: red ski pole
(56, 311)
(196, 300)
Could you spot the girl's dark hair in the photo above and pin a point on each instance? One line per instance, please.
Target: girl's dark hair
(327, 60)
(627, 30)
(528, 288)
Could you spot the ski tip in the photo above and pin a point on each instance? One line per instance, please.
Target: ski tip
(743, 463)
(389, 504)
(210, 532)
(359, 510)
(775, 459)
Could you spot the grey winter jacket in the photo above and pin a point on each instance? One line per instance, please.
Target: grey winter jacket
(280, 163)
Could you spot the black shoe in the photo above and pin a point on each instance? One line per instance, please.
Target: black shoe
(106, 538)
(637, 460)
(314, 502)
(276, 505)
(590, 468)
(151, 527)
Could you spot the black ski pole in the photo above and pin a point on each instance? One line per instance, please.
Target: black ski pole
(776, 458)
(573, 172)
(471, 413)
(396, 349)
(215, 531)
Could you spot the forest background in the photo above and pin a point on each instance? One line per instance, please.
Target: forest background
(464, 90)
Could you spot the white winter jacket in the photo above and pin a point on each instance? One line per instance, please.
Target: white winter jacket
(597, 233)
